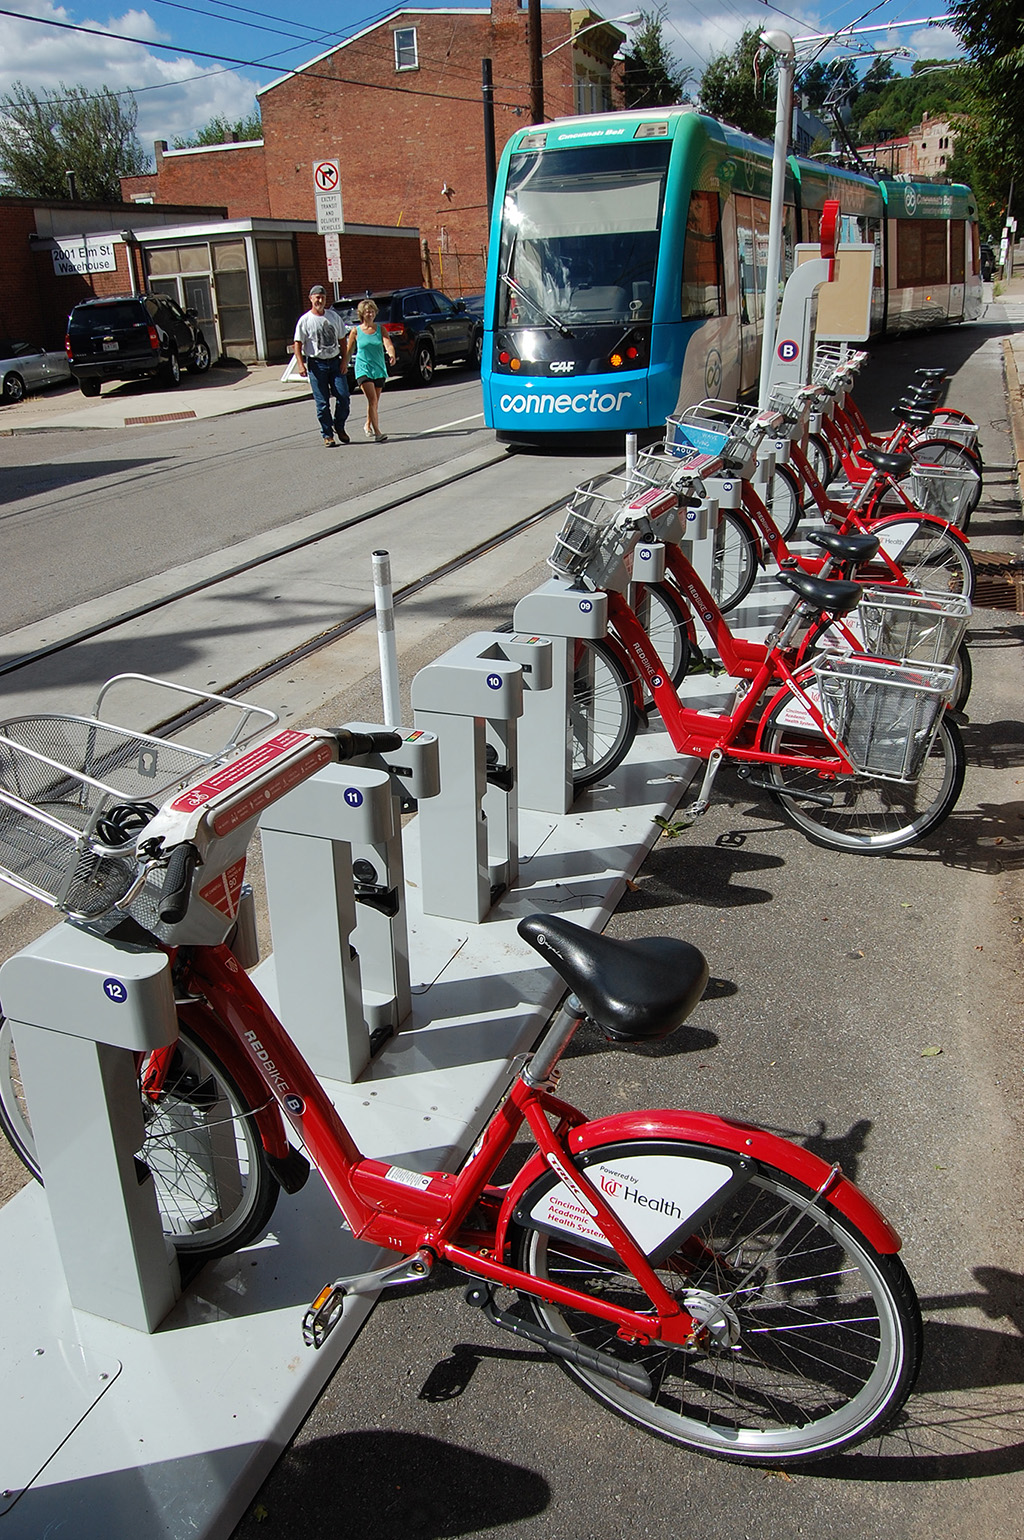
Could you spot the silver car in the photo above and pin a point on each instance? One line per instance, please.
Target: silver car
(25, 367)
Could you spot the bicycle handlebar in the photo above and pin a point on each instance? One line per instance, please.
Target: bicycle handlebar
(177, 886)
(351, 745)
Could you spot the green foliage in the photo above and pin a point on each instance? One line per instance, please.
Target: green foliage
(652, 76)
(731, 89)
(92, 133)
(219, 131)
(993, 143)
(889, 109)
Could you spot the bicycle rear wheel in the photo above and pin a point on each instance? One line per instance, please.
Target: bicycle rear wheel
(214, 1188)
(812, 1339)
(734, 563)
(603, 716)
(866, 815)
(926, 552)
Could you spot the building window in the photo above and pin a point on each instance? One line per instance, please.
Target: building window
(406, 57)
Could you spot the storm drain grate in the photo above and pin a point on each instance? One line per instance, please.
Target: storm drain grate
(133, 422)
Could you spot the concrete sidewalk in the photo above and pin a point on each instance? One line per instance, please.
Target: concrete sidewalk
(224, 389)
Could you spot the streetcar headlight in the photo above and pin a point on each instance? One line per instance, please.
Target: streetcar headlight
(616, 360)
(514, 363)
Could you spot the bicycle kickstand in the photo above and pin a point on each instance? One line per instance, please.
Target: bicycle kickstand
(703, 801)
(326, 1310)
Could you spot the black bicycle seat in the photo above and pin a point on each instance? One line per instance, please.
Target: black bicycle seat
(852, 547)
(931, 374)
(918, 417)
(636, 991)
(833, 595)
(896, 465)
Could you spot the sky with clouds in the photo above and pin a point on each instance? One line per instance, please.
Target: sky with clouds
(158, 49)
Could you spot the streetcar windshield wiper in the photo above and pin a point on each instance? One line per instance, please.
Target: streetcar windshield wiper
(518, 289)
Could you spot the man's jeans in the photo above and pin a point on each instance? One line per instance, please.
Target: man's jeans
(326, 379)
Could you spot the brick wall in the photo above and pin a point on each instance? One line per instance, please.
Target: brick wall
(21, 315)
(402, 136)
(367, 262)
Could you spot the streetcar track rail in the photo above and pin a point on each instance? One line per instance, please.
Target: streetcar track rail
(446, 477)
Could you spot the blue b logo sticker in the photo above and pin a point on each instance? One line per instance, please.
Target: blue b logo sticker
(788, 350)
(494, 681)
(353, 796)
(115, 990)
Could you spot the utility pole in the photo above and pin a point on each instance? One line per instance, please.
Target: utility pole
(781, 45)
(534, 39)
(490, 171)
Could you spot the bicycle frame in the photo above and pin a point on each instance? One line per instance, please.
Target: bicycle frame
(703, 733)
(410, 1213)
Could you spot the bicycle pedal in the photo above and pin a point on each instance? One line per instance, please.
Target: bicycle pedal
(323, 1315)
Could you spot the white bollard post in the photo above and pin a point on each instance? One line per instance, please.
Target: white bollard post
(384, 604)
(630, 455)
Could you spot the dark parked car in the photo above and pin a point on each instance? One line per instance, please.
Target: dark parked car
(25, 367)
(988, 261)
(128, 337)
(426, 328)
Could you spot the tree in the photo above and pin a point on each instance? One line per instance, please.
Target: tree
(92, 133)
(993, 138)
(651, 76)
(220, 131)
(733, 89)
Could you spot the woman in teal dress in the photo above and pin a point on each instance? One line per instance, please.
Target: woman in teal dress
(369, 343)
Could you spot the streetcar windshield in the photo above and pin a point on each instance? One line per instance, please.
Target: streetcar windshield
(579, 236)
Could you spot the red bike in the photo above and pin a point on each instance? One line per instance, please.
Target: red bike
(702, 1277)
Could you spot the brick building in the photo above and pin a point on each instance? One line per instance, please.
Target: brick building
(923, 152)
(400, 105)
(247, 279)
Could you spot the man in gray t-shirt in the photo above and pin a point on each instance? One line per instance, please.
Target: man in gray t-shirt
(320, 353)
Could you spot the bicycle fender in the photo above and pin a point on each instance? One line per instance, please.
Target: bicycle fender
(266, 1114)
(874, 525)
(745, 1139)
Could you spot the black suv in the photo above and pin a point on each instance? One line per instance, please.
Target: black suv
(426, 328)
(129, 336)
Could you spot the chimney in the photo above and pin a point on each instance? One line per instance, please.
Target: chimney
(159, 148)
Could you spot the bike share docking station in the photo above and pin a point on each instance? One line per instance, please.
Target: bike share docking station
(141, 1415)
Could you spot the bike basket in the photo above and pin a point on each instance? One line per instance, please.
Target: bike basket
(959, 432)
(588, 514)
(884, 714)
(715, 428)
(67, 782)
(945, 490)
(915, 627)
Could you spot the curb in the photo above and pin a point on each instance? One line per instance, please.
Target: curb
(1015, 403)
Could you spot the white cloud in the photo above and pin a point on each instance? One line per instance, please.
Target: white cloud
(45, 57)
(935, 43)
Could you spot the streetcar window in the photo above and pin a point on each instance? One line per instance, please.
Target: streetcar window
(745, 253)
(957, 251)
(580, 233)
(921, 252)
(703, 287)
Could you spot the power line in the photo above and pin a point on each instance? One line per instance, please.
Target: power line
(222, 58)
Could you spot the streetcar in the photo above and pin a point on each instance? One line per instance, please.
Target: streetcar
(628, 258)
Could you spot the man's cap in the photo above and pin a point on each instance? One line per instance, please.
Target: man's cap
(317, 288)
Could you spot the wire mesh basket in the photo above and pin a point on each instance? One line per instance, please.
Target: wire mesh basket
(588, 514)
(913, 626)
(657, 468)
(945, 490)
(884, 714)
(75, 791)
(718, 428)
(959, 432)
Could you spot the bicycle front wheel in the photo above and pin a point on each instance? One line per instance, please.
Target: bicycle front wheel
(862, 813)
(786, 505)
(667, 622)
(734, 562)
(927, 554)
(603, 715)
(811, 1342)
(214, 1188)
